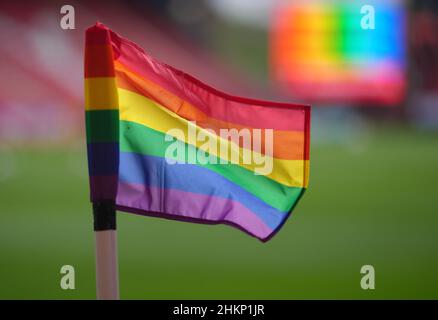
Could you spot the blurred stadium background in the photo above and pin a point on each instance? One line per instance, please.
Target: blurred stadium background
(373, 193)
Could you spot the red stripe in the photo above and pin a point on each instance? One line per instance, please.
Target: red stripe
(307, 135)
(99, 61)
(97, 34)
(216, 104)
(99, 58)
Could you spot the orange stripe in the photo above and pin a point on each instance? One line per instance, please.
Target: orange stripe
(287, 144)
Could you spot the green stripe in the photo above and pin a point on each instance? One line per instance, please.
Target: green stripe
(137, 138)
(102, 125)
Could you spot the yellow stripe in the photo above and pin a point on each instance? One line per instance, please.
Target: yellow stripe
(139, 109)
(101, 93)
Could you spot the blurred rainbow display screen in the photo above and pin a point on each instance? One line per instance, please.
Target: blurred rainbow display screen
(328, 52)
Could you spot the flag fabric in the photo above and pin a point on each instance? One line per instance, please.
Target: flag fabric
(155, 143)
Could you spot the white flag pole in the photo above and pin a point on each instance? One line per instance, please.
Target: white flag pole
(107, 282)
(107, 277)
(101, 98)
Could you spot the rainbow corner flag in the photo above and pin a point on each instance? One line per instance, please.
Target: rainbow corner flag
(162, 143)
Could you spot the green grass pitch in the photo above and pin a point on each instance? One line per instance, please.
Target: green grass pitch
(375, 205)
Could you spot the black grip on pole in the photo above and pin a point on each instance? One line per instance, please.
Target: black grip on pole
(104, 212)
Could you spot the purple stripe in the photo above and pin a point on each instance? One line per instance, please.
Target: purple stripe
(103, 187)
(187, 206)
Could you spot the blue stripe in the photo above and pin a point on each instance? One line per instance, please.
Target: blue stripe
(103, 158)
(156, 172)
